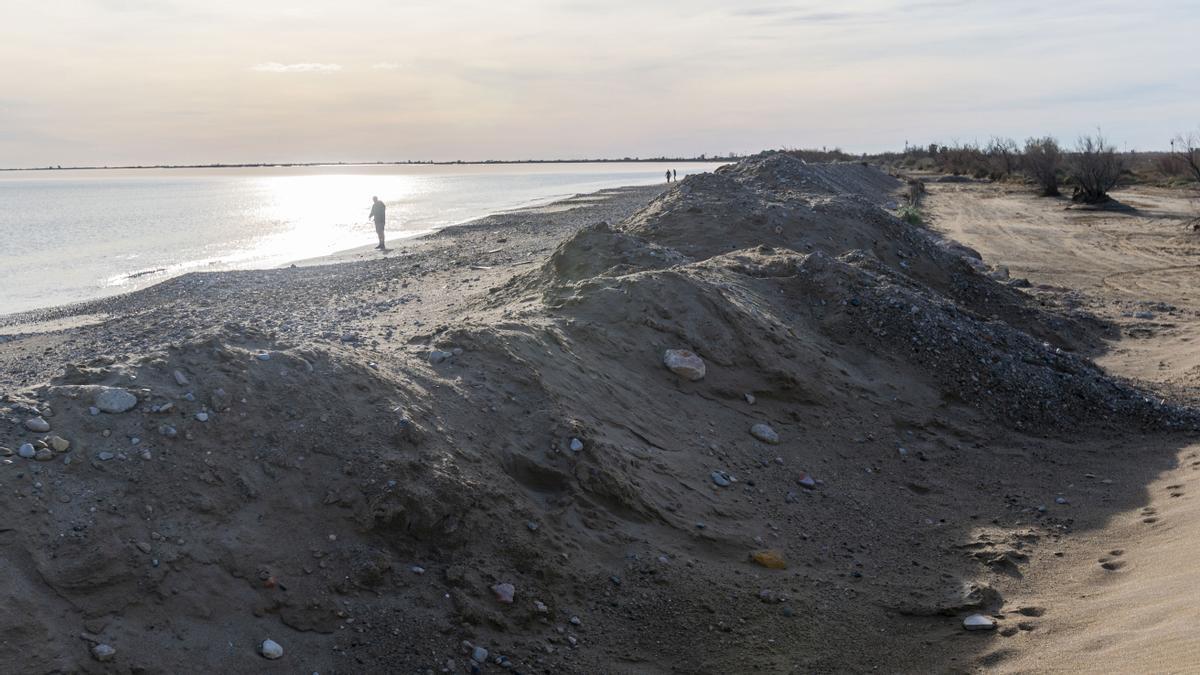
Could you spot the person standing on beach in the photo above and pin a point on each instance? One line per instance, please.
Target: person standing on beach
(674, 175)
(668, 175)
(379, 215)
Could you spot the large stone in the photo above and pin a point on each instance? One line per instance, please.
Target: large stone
(685, 364)
(978, 622)
(271, 649)
(764, 433)
(37, 425)
(114, 400)
(27, 451)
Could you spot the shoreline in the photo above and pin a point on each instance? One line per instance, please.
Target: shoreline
(55, 313)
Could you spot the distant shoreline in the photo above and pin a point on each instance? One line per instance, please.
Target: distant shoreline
(265, 165)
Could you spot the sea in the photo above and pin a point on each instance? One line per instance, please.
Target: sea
(73, 235)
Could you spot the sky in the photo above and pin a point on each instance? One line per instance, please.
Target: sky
(112, 82)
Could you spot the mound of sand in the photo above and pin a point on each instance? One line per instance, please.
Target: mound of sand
(534, 481)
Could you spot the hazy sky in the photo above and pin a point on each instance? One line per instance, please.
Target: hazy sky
(194, 81)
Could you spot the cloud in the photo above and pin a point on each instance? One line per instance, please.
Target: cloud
(273, 67)
(385, 65)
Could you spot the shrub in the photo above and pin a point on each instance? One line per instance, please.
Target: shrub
(1042, 161)
(1096, 168)
(910, 214)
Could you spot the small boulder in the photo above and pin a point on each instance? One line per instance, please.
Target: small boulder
(270, 649)
(765, 433)
(27, 451)
(721, 478)
(979, 622)
(114, 400)
(59, 443)
(504, 593)
(685, 364)
(37, 425)
(103, 652)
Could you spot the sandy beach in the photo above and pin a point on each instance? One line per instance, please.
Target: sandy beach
(749, 422)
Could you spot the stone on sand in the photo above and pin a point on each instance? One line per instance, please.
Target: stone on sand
(103, 652)
(764, 433)
(37, 425)
(114, 400)
(685, 364)
(27, 451)
(978, 622)
(180, 378)
(270, 649)
(504, 592)
(59, 443)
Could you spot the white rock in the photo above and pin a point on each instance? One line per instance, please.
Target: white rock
(479, 655)
(202, 417)
(504, 592)
(685, 363)
(114, 400)
(26, 450)
(270, 649)
(764, 433)
(978, 622)
(576, 445)
(37, 425)
(103, 652)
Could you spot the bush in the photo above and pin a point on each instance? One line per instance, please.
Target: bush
(1042, 161)
(1096, 168)
(910, 214)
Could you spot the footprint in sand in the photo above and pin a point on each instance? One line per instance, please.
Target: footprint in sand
(1110, 564)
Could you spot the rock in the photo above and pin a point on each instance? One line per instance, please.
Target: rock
(540, 607)
(764, 433)
(103, 652)
(270, 649)
(751, 399)
(168, 431)
(263, 356)
(438, 356)
(979, 622)
(721, 478)
(105, 456)
(576, 445)
(114, 400)
(791, 497)
(769, 558)
(144, 547)
(220, 400)
(58, 443)
(479, 655)
(37, 425)
(504, 592)
(26, 450)
(44, 455)
(685, 364)
(575, 621)
(201, 416)
(180, 378)
(145, 454)
(1061, 500)
(806, 480)
(93, 411)
(6, 452)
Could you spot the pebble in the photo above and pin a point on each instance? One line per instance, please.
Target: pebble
(721, 478)
(764, 433)
(438, 356)
(576, 445)
(201, 417)
(271, 649)
(168, 431)
(540, 607)
(37, 425)
(504, 592)
(751, 399)
(146, 454)
(978, 622)
(105, 456)
(26, 450)
(791, 497)
(44, 455)
(58, 443)
(1061, 500)
(263, 357)
(806, 480)
(180, 378)
(685, 364)
(6, 452)
(143, 547)
(114, 400)
(479, 655)
(575, 621)
(103, 652)
(417, 569)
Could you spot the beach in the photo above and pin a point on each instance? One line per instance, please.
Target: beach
(747, 422)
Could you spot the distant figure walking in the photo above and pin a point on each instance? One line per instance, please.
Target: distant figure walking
(379, 215)
(675, 175)
(668, 175)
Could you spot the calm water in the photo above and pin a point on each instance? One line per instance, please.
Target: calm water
(78, 235)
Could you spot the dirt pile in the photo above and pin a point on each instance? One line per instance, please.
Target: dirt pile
(526, 477)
